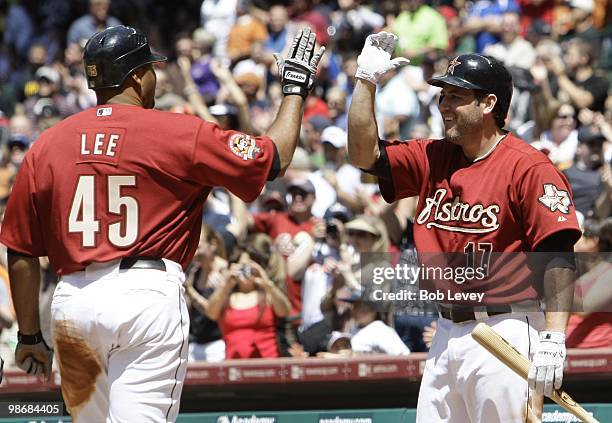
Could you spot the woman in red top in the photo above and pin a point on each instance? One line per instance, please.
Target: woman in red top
(247, 303)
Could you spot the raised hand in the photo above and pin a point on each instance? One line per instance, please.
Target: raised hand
(375, 58)
(297, 71)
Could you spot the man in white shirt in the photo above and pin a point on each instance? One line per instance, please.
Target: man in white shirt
(373, 335)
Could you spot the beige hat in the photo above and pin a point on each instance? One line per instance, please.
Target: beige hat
(363, 223)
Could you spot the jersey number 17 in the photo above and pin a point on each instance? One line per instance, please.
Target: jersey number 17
(82, 218)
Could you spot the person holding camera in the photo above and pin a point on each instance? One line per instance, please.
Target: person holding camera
(319, 277)
(250, 299)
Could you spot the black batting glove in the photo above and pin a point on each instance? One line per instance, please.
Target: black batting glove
(298, 70)
(33, 355)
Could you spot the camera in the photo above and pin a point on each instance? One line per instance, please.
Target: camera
(331, 229)
(245, 271)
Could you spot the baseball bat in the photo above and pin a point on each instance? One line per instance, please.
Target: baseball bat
(520, 364)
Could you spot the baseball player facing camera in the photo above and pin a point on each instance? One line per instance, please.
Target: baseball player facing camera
(480, 189)
(113, 196)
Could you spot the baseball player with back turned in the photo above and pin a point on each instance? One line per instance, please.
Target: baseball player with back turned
(524, 206)
(114, 195)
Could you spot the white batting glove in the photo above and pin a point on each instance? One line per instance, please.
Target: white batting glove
(375, 58)
(547, 367)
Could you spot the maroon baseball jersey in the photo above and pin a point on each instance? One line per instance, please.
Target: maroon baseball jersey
(120, 180)
(507, 201)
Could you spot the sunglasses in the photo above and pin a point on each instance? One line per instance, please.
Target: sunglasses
(296, 192)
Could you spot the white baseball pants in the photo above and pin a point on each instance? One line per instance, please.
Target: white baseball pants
(120, 339)
(463, 383)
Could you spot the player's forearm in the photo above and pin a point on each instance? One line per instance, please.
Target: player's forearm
(285, 130)
(24, 275)
(559, 296)
(362, 129)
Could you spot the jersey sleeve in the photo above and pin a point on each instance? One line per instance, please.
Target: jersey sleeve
(409, 167)
(232, 160)
(545, 202)
(21, 228)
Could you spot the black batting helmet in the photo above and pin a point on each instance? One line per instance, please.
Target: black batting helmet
(111, 55)
(477, 72)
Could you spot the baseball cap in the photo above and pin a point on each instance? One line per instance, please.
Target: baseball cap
(249, 72)
(45, 108)
(338, 211)
(18, 140)
(363, 223)
(590, 134)
(303, 184)
(273, 200)
(335, 136)
(48, 73)
(319, 122)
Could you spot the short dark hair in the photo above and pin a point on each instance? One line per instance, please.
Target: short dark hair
(498, 113)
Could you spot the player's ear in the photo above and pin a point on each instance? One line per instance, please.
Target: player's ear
(489, 102)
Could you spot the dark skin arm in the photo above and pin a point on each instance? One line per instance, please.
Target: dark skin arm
(558, 280)
(24, 275)
(285, 130)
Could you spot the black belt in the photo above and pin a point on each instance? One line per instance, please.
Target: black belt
(142, 263)
(460, 314)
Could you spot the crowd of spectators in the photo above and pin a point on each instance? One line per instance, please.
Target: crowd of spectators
(281, 276)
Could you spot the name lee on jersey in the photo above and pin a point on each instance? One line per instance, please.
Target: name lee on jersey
(99, 144)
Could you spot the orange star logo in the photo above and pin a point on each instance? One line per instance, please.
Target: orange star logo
(454, 63)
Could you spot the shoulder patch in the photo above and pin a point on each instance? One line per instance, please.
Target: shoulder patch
(243, 146)
(555, 199)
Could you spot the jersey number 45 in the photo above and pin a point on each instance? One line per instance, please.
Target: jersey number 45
(82, 218)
